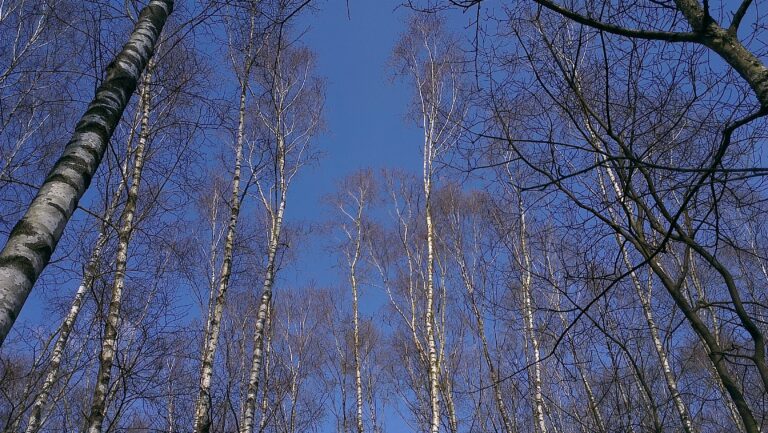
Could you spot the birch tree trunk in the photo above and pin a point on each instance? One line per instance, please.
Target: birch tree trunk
(33, 240)
(91, 268)
(357, 238)
(269, 331)
(527, 268)
(357, 192)
(291, 119)
(480, 323)
(266, 293)
(109, 344)
(645, 302)
(202, 418)
(429, 315)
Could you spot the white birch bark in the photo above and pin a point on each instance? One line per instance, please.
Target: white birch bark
(266, 293)
(267, 357)
(429, 315)
(527, 268)
(291, 118)
(33, 240)
(356, 218)
(645, 300)
(213, 326)
(36, 415)
(109, 344)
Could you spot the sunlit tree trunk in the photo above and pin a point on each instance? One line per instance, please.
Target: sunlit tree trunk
(91, 268)
(109, 344)
(356, 329)
(202, 415)
(290, 117)
(358, 194)
(266, 291)
(267, 370)
(33, 240)
(528, 318)
(645, 302)
(429, 315)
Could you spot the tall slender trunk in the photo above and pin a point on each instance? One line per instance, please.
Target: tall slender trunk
(33, 240)
(434, 374)
(450, 407)
(266, 291)
(538, 399)
(372, 403)
(355, 318)
(645, 302)
(202, 418)
(109, 344)
(91, 268)
(171, 407)
(696, 281)
(267, 352)
(593, 407)
(480, 323)
(707, 336)
(669, 376)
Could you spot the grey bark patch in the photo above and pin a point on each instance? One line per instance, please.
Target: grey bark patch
(58, 177)
(41, 248)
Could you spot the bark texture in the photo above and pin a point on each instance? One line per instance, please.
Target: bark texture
(202, 420)
(34, 238)
(266, 294)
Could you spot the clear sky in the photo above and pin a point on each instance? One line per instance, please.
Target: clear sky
(365, 112)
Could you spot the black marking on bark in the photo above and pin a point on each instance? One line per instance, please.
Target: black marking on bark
(61, 210)
(41, 248)
(59, 177)
(22, 228)
(95, 154)
(22, 264)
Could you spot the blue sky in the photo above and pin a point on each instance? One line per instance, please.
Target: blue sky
(365, 112)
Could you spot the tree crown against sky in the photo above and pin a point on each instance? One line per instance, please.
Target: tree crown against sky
(446, 216)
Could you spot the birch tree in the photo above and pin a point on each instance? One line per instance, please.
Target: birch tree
(353, 201)
(109, 344)
(289, 110)
(202, 417)
(33, 240)
(427, 58)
